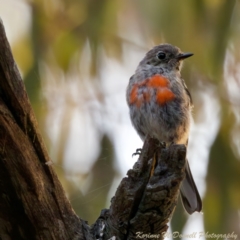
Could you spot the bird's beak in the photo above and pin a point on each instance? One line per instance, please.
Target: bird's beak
(182, 56)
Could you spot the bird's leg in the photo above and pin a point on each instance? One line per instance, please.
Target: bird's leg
(138, 152)
(155, 157)
(154, 161)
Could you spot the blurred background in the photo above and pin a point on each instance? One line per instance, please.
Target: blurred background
(76, 57)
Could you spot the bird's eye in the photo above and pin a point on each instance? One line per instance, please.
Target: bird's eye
(161, 55)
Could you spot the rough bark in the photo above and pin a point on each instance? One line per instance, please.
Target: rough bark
(32, 201)
(143, 204)
(33, 204)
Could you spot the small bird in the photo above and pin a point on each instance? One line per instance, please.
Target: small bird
(160, 107)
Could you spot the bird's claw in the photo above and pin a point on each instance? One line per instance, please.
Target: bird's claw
(163, 144)
(138, 152)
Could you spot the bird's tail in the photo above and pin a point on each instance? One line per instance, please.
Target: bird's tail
(189, 194)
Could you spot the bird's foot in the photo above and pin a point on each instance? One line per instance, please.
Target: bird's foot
(162, 144)
(138, 152)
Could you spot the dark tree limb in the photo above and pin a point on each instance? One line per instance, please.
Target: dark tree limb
(33, 204)
(143, 204)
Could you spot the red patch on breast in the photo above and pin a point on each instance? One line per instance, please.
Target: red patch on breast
(157, 81)
(135, 97)
(133, 94)
(141, 92)
(164, 95)
(161, 83)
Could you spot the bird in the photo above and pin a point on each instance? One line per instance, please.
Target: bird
(160, 106)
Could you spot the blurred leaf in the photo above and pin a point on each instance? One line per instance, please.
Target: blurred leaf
(220, 199)
(23, 54)
(102, 175)
(179, 217)
(65, 54)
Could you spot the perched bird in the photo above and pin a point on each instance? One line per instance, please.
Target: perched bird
(160, 107)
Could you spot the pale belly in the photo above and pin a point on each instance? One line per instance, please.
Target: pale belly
(169, 123)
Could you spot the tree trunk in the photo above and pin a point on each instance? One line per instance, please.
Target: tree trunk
(33, 204)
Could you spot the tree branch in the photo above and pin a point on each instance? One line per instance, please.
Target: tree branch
(143, 204)
(33, 204)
